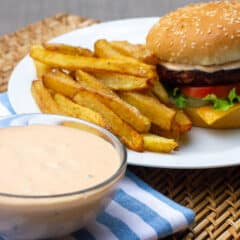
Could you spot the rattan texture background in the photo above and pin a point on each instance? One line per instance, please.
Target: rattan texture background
(213, 194)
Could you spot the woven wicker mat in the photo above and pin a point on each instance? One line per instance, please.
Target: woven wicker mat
(213, 194)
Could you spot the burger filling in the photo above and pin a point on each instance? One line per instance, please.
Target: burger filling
(196, 88)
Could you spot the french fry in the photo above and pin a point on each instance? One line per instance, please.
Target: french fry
(67, 49)
(41, 69)
(137, 51)
(75, 110)
(182, 122)
(61, 83)
(160, 91)
(44, 99)
(89, 81)
(173, 133)
(91, 64)
(123, 82)
(156, 143)
(128, 135)
(103, 49)
(125, 111)
(157, 112)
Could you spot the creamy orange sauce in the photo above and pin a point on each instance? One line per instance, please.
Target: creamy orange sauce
(41, 160)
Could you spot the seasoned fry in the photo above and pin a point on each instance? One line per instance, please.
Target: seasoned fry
(182, 122)
(137, 51)
(41, 69)
(173, 133)
(89, 81)
(103, 49)
(67, 49)
(123, 82)
(160, 91)
(61, 83)
(156, 143)
(125, 111)
(44, 99)
(75, 110)
(91, 64)
(158, 113)
(128, 135)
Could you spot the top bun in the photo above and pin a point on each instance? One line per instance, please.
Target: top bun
(199, 34)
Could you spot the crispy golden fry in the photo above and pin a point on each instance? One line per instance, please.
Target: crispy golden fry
(173, 133)
(137, 51)
(160, 91)
(44, 99)
(61, 82)
(182, 122)
(103, 49)
(125, 111)
(158, 113)
(89, 81)
(123, 82)
(41, 69)
(91, 64)
(156, 143)
(67, 49)
(128, 135)
(180, 125)
(75, 110)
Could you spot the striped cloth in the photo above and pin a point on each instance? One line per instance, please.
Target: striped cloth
(136, 212)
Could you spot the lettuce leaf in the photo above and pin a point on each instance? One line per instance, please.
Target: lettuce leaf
(179, 99)
(223, 104)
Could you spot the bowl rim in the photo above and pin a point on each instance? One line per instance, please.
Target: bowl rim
(117, 144)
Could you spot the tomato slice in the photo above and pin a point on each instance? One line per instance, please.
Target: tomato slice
(221, 91)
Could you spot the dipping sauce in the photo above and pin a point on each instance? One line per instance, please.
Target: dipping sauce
(49, 160)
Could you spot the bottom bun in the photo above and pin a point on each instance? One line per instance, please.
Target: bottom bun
(207, 117)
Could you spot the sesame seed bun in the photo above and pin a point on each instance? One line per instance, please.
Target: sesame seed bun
(199, 34)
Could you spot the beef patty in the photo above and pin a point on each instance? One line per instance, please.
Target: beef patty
(197, 78)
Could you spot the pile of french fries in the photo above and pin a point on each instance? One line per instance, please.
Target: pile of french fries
(116, 86)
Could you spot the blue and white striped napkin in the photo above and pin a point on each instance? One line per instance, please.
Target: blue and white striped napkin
(136, 212)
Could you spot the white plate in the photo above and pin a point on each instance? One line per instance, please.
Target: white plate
(202, 149)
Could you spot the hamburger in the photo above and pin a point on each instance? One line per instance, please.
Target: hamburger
(198, 51)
